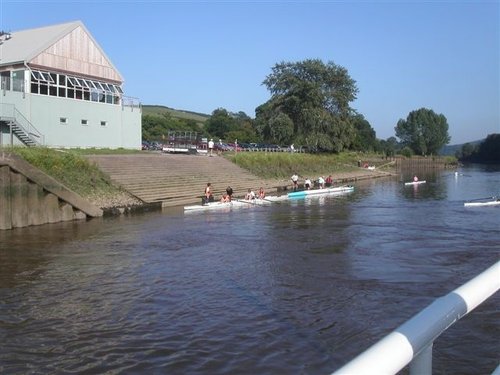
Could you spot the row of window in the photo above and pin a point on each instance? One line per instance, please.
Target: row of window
(74, 82)
(61, 85)
(85, 122)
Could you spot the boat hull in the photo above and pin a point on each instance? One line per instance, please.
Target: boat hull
(235, 203)
(315, 192)
(415, 183)
(481, 204)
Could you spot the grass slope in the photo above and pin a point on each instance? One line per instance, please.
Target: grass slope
(283, 165)
(160, 110)
(71, 169)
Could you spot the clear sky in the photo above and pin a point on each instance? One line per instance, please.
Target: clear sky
(204, 55)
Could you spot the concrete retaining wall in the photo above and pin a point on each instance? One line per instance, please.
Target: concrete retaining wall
(30, 197)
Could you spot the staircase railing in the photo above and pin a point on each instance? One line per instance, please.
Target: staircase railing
(412, 342)
(11, 114)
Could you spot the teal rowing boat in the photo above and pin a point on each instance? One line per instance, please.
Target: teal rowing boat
(326, 191)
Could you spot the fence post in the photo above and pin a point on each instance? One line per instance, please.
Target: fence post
(422, 363)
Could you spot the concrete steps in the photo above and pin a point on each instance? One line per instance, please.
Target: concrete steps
(177, 179)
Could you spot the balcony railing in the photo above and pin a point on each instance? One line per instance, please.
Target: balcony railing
(412, 342)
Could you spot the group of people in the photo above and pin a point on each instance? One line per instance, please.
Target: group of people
(322, 182)
(261, 194)
(228, 194)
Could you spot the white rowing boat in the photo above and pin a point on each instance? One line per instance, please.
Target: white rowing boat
(335, 190)
(415, 182)
(495, 202)
(235, 203)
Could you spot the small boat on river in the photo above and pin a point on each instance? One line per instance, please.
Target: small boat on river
(494, 202)
(235, 203)
(326, 191)
(415, 183)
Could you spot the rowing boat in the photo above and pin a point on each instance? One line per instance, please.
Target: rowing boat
(235, 203)
(480, 204)
(315, 192)
(415, 182)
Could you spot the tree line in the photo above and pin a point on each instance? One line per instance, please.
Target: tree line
(487, 152)
(310, 105)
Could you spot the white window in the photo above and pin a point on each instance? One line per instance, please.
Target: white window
(74, 82)
(85, 122)
(63, 120)
(104, 123)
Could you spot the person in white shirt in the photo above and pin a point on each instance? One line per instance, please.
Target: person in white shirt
(211, 146)
(295, 181)
(321, 182)
(307, 184)
(250, 195)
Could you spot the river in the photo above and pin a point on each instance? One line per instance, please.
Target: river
(296, 287)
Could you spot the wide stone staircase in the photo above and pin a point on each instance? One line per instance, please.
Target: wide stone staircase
(178, 179)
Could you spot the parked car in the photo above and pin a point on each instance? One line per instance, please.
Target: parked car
(221, 147)
(235, 147)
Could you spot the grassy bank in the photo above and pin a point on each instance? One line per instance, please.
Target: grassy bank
(70, 168)
(283, 165)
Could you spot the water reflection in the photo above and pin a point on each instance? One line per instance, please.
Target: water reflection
(294, 287)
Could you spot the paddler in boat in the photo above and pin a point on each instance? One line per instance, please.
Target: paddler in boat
(208, 194)
(261, 194)
(229, 191)
(415, 178)
(249, 195)
(225, 198)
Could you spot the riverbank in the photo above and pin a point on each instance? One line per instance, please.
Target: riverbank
(127, 182)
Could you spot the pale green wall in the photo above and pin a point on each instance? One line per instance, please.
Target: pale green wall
(123, 125)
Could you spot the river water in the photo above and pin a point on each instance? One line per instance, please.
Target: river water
(297, 287)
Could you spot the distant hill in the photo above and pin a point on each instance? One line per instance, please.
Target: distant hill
(452, 149)
(159, 110)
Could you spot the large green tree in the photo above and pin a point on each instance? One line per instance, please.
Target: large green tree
(365, 138)
(309, 105)
(424, 131)
(220, 123)
(231, 126)
(487, 151)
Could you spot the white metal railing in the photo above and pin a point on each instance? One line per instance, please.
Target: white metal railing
(9, 112)
(131, 102)
(412, 342)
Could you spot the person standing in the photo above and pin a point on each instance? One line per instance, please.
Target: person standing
(321, 182)
(307, 184)
(329, 181)
(211, 146)
(295, 181)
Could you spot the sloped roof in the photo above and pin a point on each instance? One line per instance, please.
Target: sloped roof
(24, 46)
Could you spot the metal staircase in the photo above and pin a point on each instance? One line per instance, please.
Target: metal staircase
(20, 126)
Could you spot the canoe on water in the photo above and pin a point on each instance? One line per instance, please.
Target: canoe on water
(494, 202)
(235, 203)
(415, 182)
(335, 190)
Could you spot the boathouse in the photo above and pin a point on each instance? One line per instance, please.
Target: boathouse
(59, 89)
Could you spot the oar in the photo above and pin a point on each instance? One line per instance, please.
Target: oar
(244, 201)
(268, 200)
(481, 199)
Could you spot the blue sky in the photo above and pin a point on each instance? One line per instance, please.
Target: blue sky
(203, 55)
